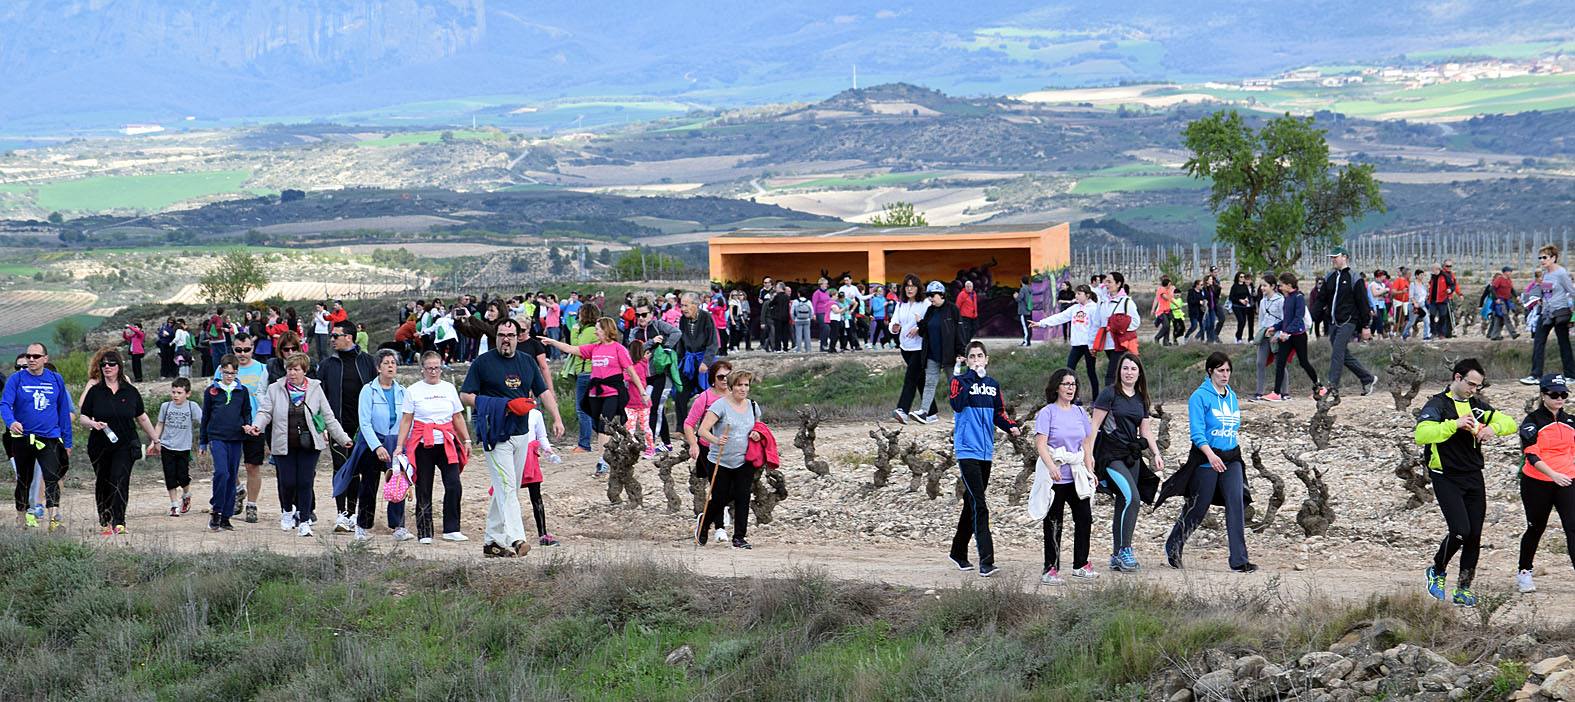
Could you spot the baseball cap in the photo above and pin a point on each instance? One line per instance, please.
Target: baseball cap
(1554, 382)
(1338, 251)
(934, 287)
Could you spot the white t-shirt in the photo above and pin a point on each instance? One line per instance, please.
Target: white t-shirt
(434, 403)
(319, 322)
(906, 316)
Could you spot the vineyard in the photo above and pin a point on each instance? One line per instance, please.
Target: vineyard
(22, 310)
(191, 294)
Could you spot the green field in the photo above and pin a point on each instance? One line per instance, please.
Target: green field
(1162, 213)
(136, 192)
(432, 137)
(20, 270)
(861, 181)
(1394, 101)
(1096, 185)
(46, 333)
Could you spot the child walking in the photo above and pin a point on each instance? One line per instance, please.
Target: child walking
(639, 408)
(177, 419)
(530, 479)
(226, 410)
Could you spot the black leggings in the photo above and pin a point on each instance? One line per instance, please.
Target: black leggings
(912, 380)
(50, 459)
(1082, 522)
(1298, 344)
(430, 462)
(536, 509)
(1241, 323)
(733, 486)
(111, 483)
(1081, 353)
(1463, 500)
(1540, 498)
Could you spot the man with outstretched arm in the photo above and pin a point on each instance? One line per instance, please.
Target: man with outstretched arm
(503, 386)
(1451, 429)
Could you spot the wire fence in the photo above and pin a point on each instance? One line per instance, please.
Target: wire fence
(1476, 254)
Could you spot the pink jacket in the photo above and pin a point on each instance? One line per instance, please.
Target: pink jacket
(697, 408)
(135, 336)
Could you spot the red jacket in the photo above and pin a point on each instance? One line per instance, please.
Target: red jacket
(968, 304)
(337, 316)
(763, 452)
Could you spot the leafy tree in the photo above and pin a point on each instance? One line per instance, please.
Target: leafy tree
(604, 256)
(236, 276)
(899, 214)
(641, 264)
(69, 334)
(1274, 190)
(56, 218)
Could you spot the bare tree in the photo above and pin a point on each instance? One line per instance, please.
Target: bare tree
(808, 420)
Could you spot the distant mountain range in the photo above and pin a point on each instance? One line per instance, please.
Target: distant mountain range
(83, 65)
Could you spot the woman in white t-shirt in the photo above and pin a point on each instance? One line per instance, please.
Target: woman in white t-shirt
(434, 438)
(905, 317)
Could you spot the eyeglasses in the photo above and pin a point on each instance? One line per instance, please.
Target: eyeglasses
(1069, 384)
(232, 372)
(239, 349)
(433, 369)
(1557, 395)
(504, 335)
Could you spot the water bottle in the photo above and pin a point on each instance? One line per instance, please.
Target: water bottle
(554, 458)
(110, 434)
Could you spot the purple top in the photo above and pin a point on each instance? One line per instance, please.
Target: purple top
(1064, 429)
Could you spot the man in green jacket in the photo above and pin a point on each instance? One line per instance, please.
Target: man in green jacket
(1451, 428)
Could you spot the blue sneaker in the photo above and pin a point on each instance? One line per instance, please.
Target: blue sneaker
(1124, 561)
(1435, 584)
(1463, 597)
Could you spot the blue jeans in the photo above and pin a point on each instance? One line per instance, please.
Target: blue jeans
(297, 471)
(582, 384)
(226, 460)
(218, 349)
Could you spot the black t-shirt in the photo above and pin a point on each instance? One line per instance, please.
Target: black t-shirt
(349, 391)
(1124, 417)
(532, 347)
(493, 375)
(118, 409)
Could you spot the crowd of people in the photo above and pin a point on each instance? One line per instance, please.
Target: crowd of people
(284, 389)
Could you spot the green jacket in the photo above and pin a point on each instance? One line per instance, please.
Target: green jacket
(581, 336)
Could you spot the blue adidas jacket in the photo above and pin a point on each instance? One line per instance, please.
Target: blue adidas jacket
(976, 402)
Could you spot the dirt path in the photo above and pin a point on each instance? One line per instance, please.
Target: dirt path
(850, 530)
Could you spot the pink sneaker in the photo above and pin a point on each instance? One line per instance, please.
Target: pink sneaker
(1273, 397)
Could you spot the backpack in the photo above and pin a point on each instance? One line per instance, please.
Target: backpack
(803, 311)
(664, 361)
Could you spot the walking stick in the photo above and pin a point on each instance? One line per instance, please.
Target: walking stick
(700, 519)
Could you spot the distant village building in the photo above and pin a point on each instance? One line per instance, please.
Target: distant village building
(885, 254)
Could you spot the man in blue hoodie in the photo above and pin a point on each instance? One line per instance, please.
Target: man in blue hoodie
(977, 411)
(36, 409)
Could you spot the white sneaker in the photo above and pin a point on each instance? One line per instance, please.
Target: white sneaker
(426, 540)
(305, 529)
(921, 418)
(342, 524)
(287, 521)
(721, 536)
(403, 534)
(455, 536)
(362, 534)
(1051, 577)
(1523, 579)
(1084, 573)
(900, 416)
(1530, 380)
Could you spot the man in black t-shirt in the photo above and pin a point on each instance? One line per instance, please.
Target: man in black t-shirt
(507, 373)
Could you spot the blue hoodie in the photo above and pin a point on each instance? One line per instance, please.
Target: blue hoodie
(1212, 419)
(979, 410)
(40, 402)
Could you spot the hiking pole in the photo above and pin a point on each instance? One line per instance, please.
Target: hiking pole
(711, 488)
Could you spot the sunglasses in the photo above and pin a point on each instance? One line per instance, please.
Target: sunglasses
(1557, 395)
(1543, 258)
(641, 315)
(336, 336)
(240, 349)
(109, 364)
(32, 356)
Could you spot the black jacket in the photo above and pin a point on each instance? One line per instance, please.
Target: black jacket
(329, 373)
(950, 320)
(1344, 299)
(779, 307)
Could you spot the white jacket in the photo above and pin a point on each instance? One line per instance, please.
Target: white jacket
(1125, 305)
(1080, 317)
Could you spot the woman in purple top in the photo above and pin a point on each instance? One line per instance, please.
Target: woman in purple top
(1063, 425)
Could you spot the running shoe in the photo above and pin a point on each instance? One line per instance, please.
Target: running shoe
(1367, 387)
(961, 563)
(1173, 559)
(1051, 577)
(120, 529)
(213, 522)
(342, 524)
(107, 532)
(1256, 398)
(454, 536)
(521, 547)
(1124, 561)
(1245, 568)
(1435, 584)
(740, 543)
(185, 503)
(496, 551)
(426, 540)
(1463, 597)
(720, 535)
(1084, 573)
(900, 416)
(1523, 581)
(362, 534)
(305, 528)
(287, 521)
(403, 534)
(174, 511)
(1273, 397)
(30, 520)
(240, 500)
(988, 569)
(56, 524)
(601, 470)
(1529, 380)
(547, 540)
(250, 515)
(224, 523)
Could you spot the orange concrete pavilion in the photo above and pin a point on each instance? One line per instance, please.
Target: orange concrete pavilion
(885, 254)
